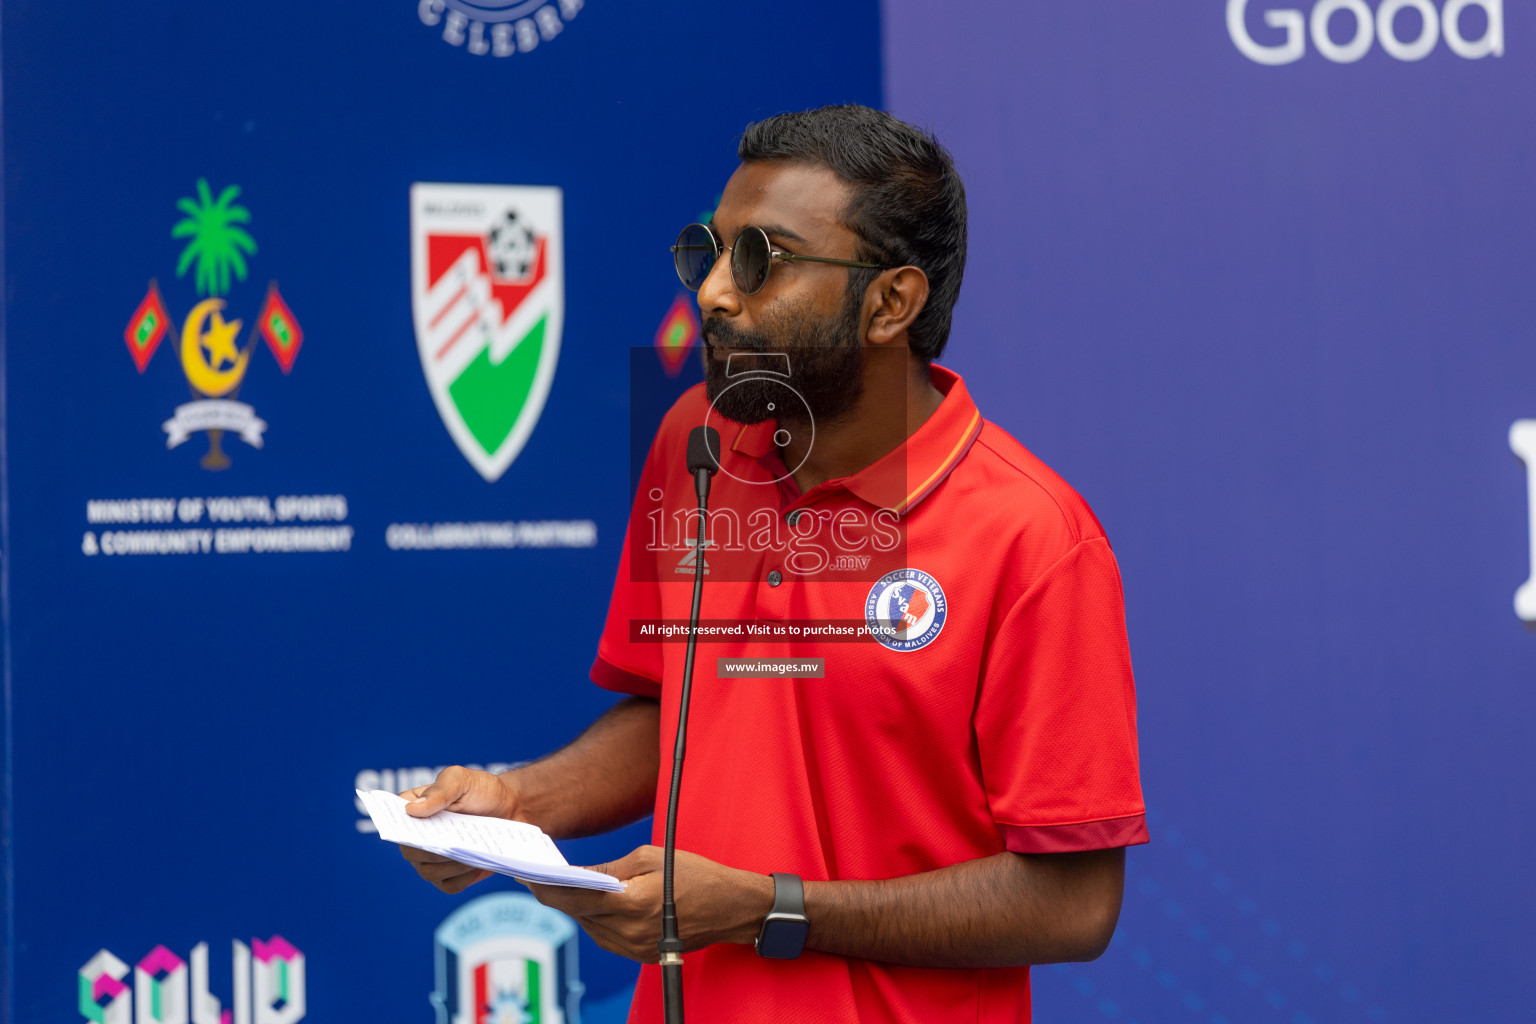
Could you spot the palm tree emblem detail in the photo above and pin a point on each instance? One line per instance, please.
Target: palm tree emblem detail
(218, 243)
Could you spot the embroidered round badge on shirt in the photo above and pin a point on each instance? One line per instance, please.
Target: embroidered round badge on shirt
(905, 610)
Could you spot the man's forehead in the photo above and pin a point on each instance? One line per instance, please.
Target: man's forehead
(806, 199)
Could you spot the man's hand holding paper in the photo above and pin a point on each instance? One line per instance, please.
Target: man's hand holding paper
(481, 842)
(468, 792)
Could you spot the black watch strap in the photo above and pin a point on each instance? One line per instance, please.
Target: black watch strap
(788, 894)
(783, 932)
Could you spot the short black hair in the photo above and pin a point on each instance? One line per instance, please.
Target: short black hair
(908, 204)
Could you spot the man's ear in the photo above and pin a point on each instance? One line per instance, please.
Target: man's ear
(893, 301)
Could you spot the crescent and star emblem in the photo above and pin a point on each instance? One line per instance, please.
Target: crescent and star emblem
(205, 352)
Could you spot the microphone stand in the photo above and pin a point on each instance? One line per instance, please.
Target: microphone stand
(702, 443)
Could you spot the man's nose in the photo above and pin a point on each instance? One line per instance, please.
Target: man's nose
(718, 295)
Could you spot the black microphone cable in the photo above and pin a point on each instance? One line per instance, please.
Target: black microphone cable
(703, 443)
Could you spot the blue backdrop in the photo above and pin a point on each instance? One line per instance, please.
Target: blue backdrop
(1259, 288)
(185, 730)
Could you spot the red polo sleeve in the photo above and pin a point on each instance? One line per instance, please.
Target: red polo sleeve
(623, 665)
(1056, 719)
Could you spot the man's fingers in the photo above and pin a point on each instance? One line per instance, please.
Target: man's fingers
(599, 918)
(469, 791)
(611, 940)
(457, 884)
(639, 861)
(574, 901)
(461, 789)
(435, 868)
(428, 800)
(425, 801)
(416, 856)
(444, 870)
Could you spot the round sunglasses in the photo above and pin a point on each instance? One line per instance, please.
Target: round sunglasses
(752, 257)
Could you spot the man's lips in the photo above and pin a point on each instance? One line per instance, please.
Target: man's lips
(722, 352)
(718, 347)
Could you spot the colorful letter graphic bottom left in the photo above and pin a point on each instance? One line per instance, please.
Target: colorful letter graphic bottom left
(268, 987)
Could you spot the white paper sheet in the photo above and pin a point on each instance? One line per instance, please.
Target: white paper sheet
(508, 847)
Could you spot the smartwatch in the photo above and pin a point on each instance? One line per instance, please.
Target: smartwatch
(782, 936)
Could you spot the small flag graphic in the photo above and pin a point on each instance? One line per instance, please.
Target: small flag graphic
(280, 328)
(679, 332)
(149, 324)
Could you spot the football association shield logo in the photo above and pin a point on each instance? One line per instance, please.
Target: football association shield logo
(506, 959)
(488, 300)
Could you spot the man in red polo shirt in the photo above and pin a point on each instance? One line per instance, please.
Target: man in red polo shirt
(945, 796)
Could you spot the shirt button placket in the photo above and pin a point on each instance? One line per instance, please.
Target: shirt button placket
(772, 596)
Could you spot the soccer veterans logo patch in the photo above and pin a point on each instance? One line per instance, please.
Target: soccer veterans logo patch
(488, 300)
(905, 610)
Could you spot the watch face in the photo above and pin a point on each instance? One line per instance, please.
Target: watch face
(783, 938)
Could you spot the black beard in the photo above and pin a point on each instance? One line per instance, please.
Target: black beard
(826, 366)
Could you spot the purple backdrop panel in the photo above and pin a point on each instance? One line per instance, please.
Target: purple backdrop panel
(1257, 281)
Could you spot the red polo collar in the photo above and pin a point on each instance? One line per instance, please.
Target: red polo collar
(903, 477)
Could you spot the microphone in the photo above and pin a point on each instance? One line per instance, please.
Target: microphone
(703, 443)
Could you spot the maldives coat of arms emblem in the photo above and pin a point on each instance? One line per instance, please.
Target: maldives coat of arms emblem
(212, 355)
(488, 301)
